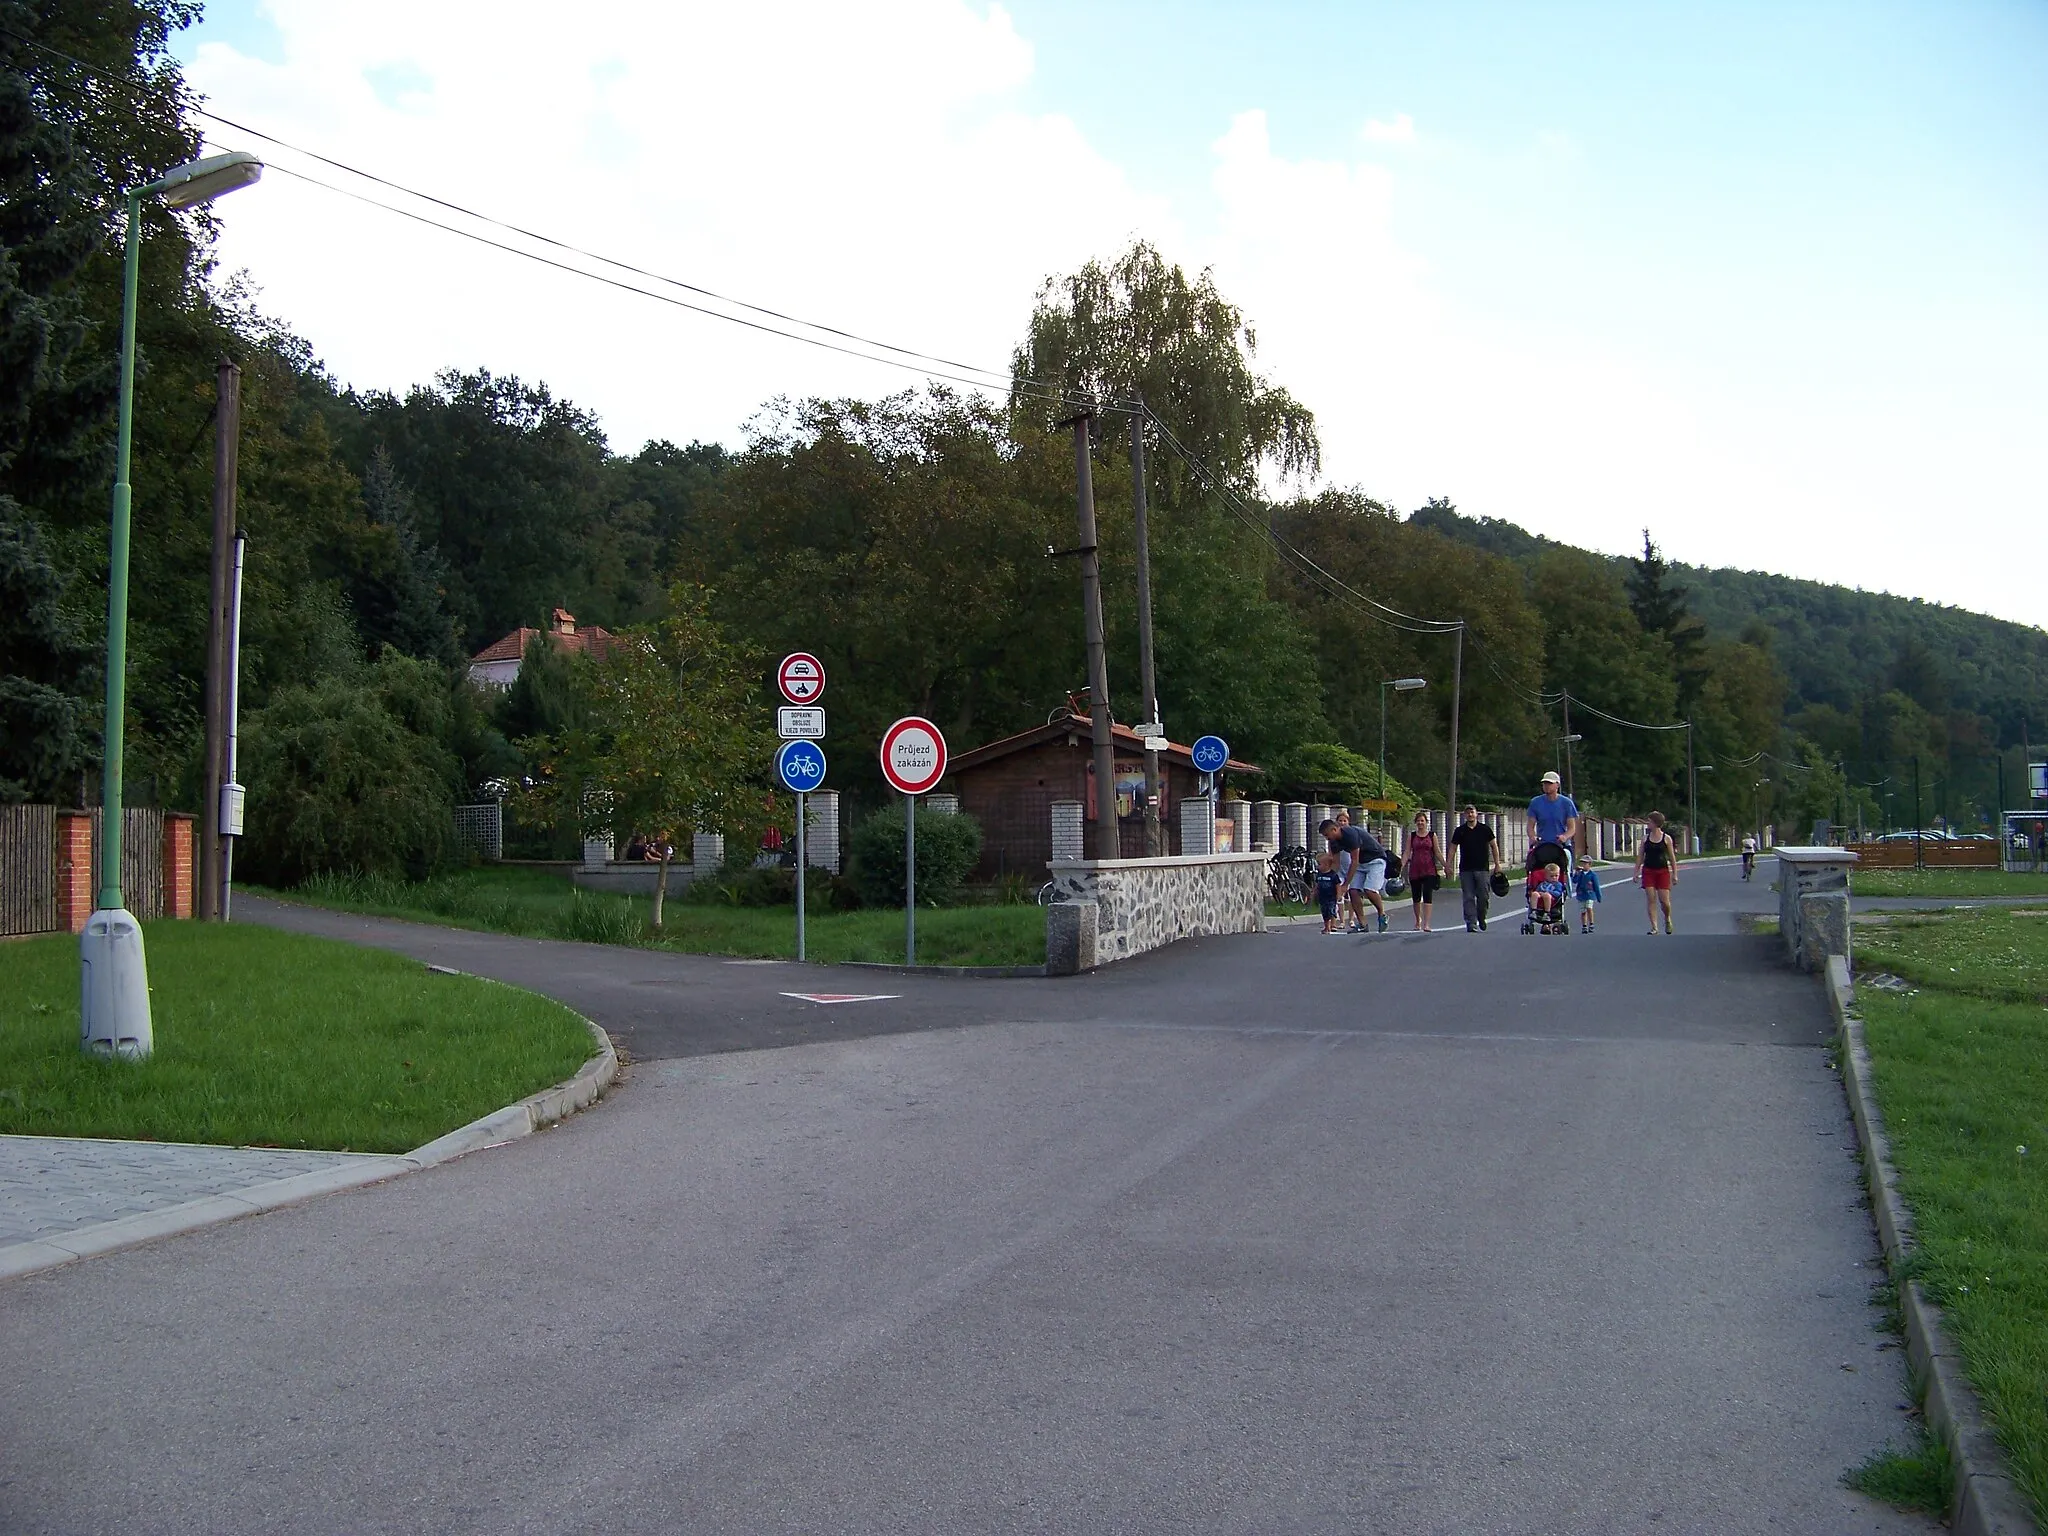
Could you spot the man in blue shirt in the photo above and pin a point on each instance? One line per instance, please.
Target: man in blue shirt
(1553, 818)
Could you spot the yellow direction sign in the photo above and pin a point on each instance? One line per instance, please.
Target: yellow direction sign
(1383, 805)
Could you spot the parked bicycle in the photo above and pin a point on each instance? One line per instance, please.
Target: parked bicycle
(1291, 876)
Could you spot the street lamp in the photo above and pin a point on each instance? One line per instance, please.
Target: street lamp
(1399, 685)
(115, 980)
(1756, 810)
(1567, 740)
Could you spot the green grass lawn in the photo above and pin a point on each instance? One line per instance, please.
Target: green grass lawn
(1961, 1072)
(1945, 882)
(542, 903)
(275, 1039)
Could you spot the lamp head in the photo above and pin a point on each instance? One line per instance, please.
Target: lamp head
(1408, 684)
(201, 181)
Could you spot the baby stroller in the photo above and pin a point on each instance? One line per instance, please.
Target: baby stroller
(1538, 918)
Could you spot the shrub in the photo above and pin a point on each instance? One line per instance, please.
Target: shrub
(948, 847)
(351, 774)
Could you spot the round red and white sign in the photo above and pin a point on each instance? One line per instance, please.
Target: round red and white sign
(913, 755)
(801, 677)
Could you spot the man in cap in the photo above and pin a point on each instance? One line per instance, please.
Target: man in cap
(1553, 821)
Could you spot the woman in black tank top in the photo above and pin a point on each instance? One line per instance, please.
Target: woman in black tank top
(1657, 870)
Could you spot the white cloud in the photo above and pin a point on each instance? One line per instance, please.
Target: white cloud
(1400, 131)
(867, 166)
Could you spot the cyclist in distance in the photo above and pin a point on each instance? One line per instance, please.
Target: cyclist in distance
(1748, 856)
(1553, 826)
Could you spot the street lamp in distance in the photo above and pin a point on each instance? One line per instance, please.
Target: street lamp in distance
(1566, 742)
(1399, 685)
(114, 978)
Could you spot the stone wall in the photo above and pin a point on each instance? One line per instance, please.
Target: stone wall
(1142, 904)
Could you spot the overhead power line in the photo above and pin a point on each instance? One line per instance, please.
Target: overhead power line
(910, 359)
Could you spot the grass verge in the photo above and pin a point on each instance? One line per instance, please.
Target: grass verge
(1960, 1068)
(275, 1039)
(539, 903)
(1962, 883)
(1919, 1477)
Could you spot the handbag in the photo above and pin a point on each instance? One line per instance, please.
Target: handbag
(1500, 882)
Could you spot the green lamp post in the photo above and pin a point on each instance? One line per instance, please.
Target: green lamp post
(114, 980)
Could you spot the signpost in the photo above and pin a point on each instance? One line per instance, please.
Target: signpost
(913, 761)
(799, 765)
(1209, 754)
(801, 677)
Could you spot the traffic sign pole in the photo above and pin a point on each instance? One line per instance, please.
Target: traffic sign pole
(800, 798)
(913, 761)
(910, 879)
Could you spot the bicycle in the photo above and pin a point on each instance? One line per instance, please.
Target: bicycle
(1291, 876)
(1748, 865)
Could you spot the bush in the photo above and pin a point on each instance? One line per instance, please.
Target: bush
(349, 774)
(948, 848)
(738, 884)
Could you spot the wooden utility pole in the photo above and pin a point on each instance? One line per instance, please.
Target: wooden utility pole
(1103, 841)
(1155, 839)
(227, 438)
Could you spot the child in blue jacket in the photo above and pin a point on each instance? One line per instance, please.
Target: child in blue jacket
(1586, 886)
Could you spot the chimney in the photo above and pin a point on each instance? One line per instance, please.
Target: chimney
(565, 622)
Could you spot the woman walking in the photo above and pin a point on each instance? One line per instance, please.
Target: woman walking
(1657, 869)
(1425, 871)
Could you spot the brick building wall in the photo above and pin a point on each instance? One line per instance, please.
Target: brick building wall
(1012, 798)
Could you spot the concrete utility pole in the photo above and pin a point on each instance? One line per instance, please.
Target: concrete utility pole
(1103, 844)
(1457, 693)
(1568, 747)
(227, 437)
(1155, 840)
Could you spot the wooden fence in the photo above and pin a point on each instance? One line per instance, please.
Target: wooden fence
(1928, 853)
(50, 859)
(28, 869)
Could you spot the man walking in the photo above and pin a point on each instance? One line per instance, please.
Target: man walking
(1478, 853)
(1362, 870)
(1553, 823)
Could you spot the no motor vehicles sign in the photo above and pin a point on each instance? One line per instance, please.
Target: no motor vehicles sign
(801, 677)
(913, 755)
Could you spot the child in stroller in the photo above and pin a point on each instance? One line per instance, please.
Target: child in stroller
(1545, 892)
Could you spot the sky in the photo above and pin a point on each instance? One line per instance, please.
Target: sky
(1766, 280)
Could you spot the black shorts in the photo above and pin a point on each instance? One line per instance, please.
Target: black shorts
(1422, 888)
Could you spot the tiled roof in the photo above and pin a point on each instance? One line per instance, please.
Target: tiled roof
(591, 641)
(1122, 736)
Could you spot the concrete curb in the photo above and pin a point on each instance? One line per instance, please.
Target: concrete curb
(1986, 1502)
(996, 972)
(500, 1126)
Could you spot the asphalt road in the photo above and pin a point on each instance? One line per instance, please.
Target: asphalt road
(1283, 1232)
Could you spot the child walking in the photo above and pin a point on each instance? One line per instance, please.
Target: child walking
(1326, 890)
(1586, 886)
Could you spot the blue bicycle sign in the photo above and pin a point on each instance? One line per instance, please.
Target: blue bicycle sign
(1210, 754)
(800, 765)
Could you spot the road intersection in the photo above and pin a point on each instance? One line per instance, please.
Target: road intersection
(1458, 1233)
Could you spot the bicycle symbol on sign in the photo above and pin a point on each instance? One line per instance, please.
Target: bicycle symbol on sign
(800, 766)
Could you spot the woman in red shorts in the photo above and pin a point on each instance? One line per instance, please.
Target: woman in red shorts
(1657, 869)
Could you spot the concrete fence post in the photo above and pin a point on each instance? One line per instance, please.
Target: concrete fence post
(1239, 814)
(707, 854)
(1294, 827)
(1266, 824)
(821, 836)
(1197, 828)
(1069, 840)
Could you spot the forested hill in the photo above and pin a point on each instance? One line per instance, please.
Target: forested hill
(1836, 645)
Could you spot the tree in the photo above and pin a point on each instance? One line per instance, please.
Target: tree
(400, 601)
(1141, 324)
(673, 737)
(1659, 605)
(46, 672)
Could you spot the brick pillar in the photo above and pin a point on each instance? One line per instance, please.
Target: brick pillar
(1295, 829)
(74, 870)
(1266, 824)
(1069, 841)
(1197, 827)
(177, 864)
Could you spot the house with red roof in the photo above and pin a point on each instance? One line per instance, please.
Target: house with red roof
(497, 664)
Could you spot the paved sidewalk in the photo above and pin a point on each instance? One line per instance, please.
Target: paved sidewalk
(64, 1197)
